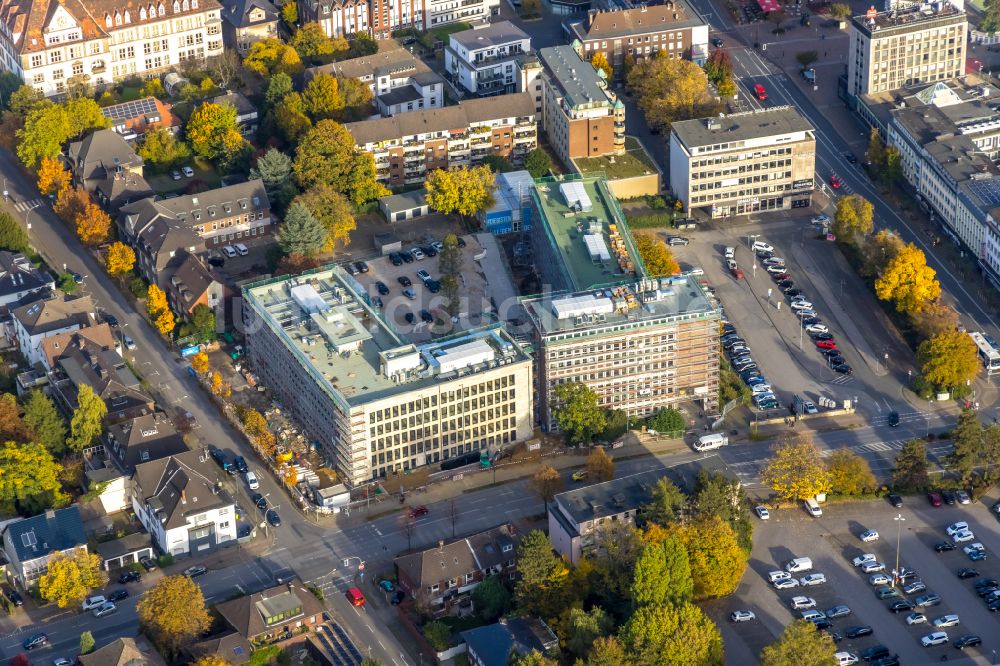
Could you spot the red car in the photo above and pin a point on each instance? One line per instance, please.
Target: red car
(418, 511)
(835, 182)
(738, 273)
(759, 91)
(934, 498)
(826, 344)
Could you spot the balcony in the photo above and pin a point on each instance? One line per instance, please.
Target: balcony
(458, 137)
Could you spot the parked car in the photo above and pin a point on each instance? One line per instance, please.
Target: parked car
(859, 631)
(742, 616)
(934, 498)
(949, 620)
(963, 497)
(900, 605)
(93, 602)
(148, 563)
(118, 595)
(13, 596)
(868, 536)
(944, 546)
(838, 611)
(678, 240)
(954, 528)
(188, 171)
(802, 603)
(813, 579)
(34, 641)
(916, 618)
(273, 518)
(895, 500)
(195, 571)
(875, 652)
(762, 512)
(915, 586)
(967, 640)
(129, 577)
(927, 600)
(107, 608)
(936, 638)
(966, 572)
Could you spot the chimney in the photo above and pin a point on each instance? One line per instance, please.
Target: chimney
(184, 497)
(590, 18)
(50, 514)
(441, 546)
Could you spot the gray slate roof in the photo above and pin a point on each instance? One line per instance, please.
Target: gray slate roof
(248, 614)
(405, 200)
(740, 126)
(579, 81)
(143, 439)
(53, 531)
(18, 275)
(100, 153)
(237, 12)
(494, 643)
(391, 59)
(161, 482)
(495, 34)
(44, 316)
(447, 560)
(638, 21)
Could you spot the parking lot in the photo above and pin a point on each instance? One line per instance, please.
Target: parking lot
(832, 542)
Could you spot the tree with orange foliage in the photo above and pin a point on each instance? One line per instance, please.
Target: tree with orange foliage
(52, 176)
(120, 259)
(70, 202)
(219, 387)
(200, 363)
(291, 475)
(93, 225)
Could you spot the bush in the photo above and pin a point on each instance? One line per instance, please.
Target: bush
(438, 635)
(651, 220)
(67, 284)
(667, 421)
(165, 560)
(138, 287)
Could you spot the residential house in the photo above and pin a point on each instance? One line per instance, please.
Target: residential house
(193, 284)
(30, 543)
(673, 27)
(99, 155)
(248, 21)
(104, 371)
(54, 347)
(408, 145)
(438, 576)
(142, 439)
(246, 112)
(123, 652)
(53, 44)
(230, 646)
(20, 282)
(338, 18)
(493, 644)
(133, 119)
(399, 81)
(36, 321)
(483, 61)
(273, 614)
(181, 503)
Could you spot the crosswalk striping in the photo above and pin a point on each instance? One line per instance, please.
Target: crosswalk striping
(23, 206)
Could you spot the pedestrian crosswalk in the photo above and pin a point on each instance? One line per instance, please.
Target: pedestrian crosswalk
(24, 206)
(842, 380)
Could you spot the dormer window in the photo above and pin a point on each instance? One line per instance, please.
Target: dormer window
(185, 6)
(163, 10)
(107, 20)
(128, 17)
(142, 14)
(177, 7)
(118, 18)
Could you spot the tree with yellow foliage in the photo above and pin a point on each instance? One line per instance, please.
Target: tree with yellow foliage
(854, 215)
(214, 659)
(70, 578)
(796, 470)
(948, 359)
(220, 387)
(291, 476)
(908, 280)
(174, 612)
(159, 310)
(52, 176)
(92, 224)
(70, 202)
(165, 322)
(120, 259)
(256, 428)
(600, 63)
(714, 554)
(463, 190)
(656, 256)
(200, 362)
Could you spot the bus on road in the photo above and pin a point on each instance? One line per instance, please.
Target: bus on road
(987, 353)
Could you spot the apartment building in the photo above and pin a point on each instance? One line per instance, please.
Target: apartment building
(375, 402)
(906, 46)
(408, 145)
(442, 12)
(483, 61)
(641, 344)
(743, 163)
(248, 21)
(399, 81)
(641, 33)
(580, 115)
(339, 18)
(100, 42)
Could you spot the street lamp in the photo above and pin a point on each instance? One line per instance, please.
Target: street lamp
(899, 526)
(750, 240)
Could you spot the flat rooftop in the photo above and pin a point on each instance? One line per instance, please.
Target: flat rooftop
(736, 127)
(579, 217)
(493, 35)
(581, 85)
(325, 319)
(908, 19)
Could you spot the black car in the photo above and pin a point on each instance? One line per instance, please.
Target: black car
(716, 42)
(792, 292)
(786, 284)
(216, 262)
(405, 281)
(987, 592)
(426, 316)
(762, 254)
(35, 641)
(461, 242)
(244, 531)
(893, 419)
(851, 159)
(382, 289)
(240, 464)
(429, 251)
(728, 329)
(396, 258)
(900, 605)
(834, 635)
(967, 640)
(823, 624)
(273, 517)
(195, 571)
(397, 597)
(895, 500)
(13, 596)
(129, 577)
(994, 605)
(844, 369)
(433, 286)
(983, 583)
(111, 320)
(259, 500)
(859, 631)
(148, 563)
(948, 496)
(943, 546)
(875, 652)
(835, 359)
(410, 319)
(829, 352)
(822, 336)
(407, 257)
(891, 660)
(118, 595)
(809, 321)
(967, 572)
(361, 266)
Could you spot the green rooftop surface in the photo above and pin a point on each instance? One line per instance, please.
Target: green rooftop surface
(635, 162)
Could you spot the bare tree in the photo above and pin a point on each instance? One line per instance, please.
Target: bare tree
(546, 483)
(226, 68)
(409, 525)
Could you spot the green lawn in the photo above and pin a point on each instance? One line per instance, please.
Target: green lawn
(635, 162)
(203, 170)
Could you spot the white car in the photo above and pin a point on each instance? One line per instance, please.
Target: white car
(762, 513)
(812, 579)
(776, 270)
(817, 328)
(868, 536)
(963, 536)
(241, 249)
(845, 658)
(973, 547)
(742, 616)
(864, 559)
(730, 253)
(761, 246)
(93, 602)
(731, 264)
(785, 584)
(802, 603)
(813, 615)
(760, 389)
(775, 576)
(694, 271)
(872, 567)
(774, 261)
(879, 579)
(949, 620)
(252, 481)
(129, 343)
(229, 251)
(806, 312)
(188, 171)
(801, 305)
(954, 528)
(916, 618)
(808, 407)
(822, 218)
(937, 638)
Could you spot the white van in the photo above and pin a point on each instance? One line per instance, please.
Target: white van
(798, 565)
(812, 507)
(709, 442)
(252, 481)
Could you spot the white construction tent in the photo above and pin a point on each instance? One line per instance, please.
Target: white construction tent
(576, 196)
(597, 248)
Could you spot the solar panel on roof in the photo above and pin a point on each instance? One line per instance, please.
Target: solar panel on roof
(988, 190)
(128, 110)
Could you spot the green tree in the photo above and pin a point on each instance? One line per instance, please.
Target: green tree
(719, 495)
(533, 658)
(875, 154)
(161, 150)
(311, 41)
(607, 651)
(668, 421)
(203, 320)
(670, 89)
(854, 215)
(600, 466)
(334, 212)
(30, 477)
(278, 87)
(719, 66)
(327, 155)
(801, 644)
(616, 424)
(910, 470)
(490, 598)
(576, 412)
(463, 190)
(438, 634)
(450, 262)
(362, 45)
(656, 256)
(663, 575)
(322, 98)
(357, 99)
(537, 162)
(300, 233)
(840, 10)
(541, 571)
(9, 84)
(948, 359)
(584, 627)
(213, 132)
(908, 281)
(546, 483)
(26, 99)
(717, 561)
(968, 444)
(666, 502)
(795, 470)
(88, 419)
(672, 636)
(807, 58)
(850, 474)
(46, 422)
(892, 170)
(86, 642)
(45, 130)
(13, 237)
(617, 547)
(498, 163)
(174, 612)
(990, 22)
